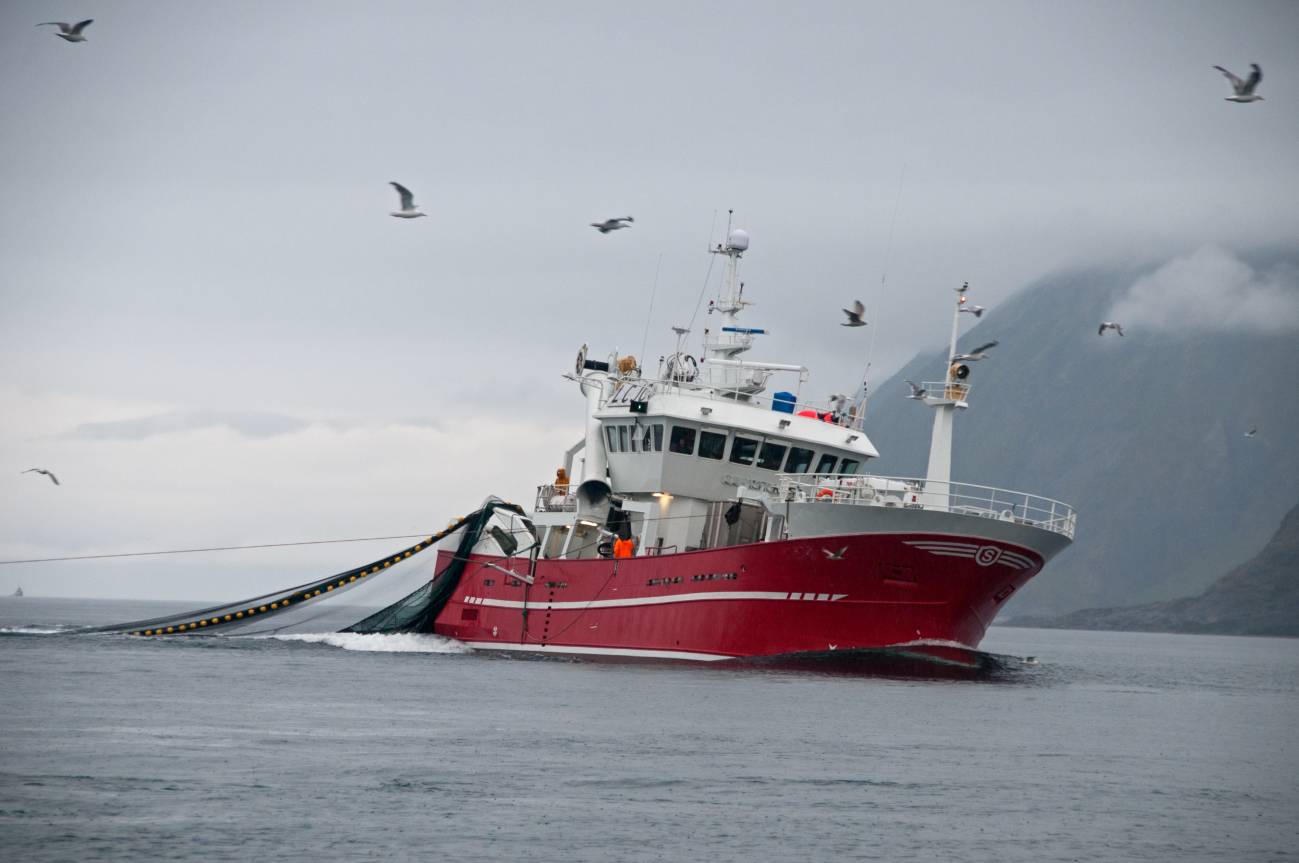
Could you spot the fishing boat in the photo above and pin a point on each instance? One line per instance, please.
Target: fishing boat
(702, 516)
(708, 520)
(19, 591)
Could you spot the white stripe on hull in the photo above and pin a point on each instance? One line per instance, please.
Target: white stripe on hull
(598, 651)
(730, 595)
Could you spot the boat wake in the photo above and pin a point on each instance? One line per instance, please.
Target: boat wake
(406, 642)
(37, 629)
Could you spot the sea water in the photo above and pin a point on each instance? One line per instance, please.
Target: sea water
(1116, 746)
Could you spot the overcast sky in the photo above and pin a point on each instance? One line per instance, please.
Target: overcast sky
(213, 332)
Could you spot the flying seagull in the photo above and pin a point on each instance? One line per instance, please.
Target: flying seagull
(613, 224)
(71, 32)
(1109, 325)
(917, 391)
(1244, 89)
(977, 311)
(408, 209)
(977, 354)
(1253, 430)
(42, 470)
(854, 315)
(834, 555)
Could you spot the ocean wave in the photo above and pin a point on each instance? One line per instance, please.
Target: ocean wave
(405, 642)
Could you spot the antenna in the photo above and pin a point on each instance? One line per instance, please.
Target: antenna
(711, 259)
(879, 292)
(654, 290)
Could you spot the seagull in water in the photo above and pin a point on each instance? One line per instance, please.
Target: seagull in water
(1253, 430)
(854, 315)
(613, 224)
(977, 311)
(978, 353)
(1244, 89)
(917, 391)
(1109, 325)
(70, 32)
(408, 209)
(42, 470)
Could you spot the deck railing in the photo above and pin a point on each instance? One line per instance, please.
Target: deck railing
(981, 501)
(555, 498)
(630, 389)
(946, 390)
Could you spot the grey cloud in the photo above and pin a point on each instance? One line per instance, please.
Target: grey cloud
(249, 424)
(1212, 289)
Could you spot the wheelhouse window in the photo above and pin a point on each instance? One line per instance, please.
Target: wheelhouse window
(712, 445)
(799, 461)
(658, 437)
(611, 436)
(622, 439)
(743, 450)
(849, 465)
(682, 440)
(770, 455)
(827, 463)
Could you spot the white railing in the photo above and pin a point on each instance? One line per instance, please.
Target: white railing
(946, 390)
(555, 498)
(980, 501)
(630, 389)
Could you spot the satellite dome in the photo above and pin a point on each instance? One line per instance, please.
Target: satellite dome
(738, 240)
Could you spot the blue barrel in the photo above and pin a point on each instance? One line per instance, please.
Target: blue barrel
(783, 402)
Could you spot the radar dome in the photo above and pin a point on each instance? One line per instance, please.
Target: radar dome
(738, 240)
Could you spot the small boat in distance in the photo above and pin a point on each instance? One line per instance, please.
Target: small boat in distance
(19, 591)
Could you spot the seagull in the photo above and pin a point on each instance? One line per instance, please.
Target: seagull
(1244, 89)
(42, 470)
(70, 32)
(613, 224)
(834, 555)
(917, 391)
(1253, 430)
(1109, 325)
(408, 209)
(977, 354)
(854, 315)
(977, 311)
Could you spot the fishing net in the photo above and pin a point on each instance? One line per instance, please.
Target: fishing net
(402, 592)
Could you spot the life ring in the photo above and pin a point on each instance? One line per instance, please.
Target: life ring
(823, 493)
(682, 367)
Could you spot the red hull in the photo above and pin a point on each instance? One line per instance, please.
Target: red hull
(762, 599)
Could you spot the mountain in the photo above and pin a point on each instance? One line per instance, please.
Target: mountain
(1143, 434)
(1260, 597)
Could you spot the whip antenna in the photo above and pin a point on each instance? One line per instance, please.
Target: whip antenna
(654, 290)
(879, 291)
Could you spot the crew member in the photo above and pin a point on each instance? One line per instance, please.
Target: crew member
(623, 548)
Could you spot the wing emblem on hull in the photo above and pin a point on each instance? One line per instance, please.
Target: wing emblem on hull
(983, 555)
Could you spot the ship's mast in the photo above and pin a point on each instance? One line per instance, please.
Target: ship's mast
(945, 400)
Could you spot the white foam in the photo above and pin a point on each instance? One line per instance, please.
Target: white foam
(405, 642)
(31, 630)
